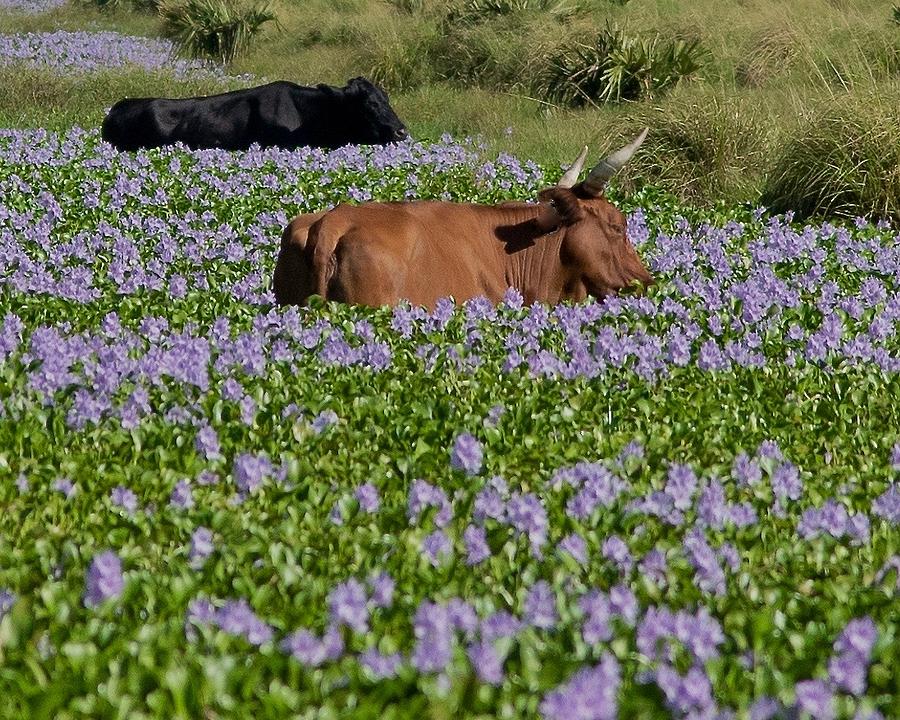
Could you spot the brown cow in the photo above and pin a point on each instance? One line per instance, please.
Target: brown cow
(569, 245)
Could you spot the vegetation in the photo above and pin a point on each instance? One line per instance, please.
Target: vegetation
(619, 67)
(473, 67)
(215, 508)
(216, 29)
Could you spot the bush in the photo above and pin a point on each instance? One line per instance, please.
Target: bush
(482, 10)
(702, 150)
(215, 29)
(769, 55)
(618, 67)
(844, 161)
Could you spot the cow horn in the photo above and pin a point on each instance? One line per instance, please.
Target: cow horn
(571, 177)
(605, 169)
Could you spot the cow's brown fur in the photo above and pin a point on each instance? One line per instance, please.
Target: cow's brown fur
(566, 247)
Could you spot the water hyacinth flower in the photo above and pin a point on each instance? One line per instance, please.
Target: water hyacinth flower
(250, 471)
(381, 666)
(323, 420)
(182, 497)
(436, 547)
(124, 498)
(382, 589)
(368, 498)
(22, 483)
(466, 454)
(475, 541)
(7, 600)
(814, 697)
(575, 546)
(540, 606)
(615, 550)
(590, 694)
(236, 617)
(207, 442)
(347, 605)
(104, 579)
(66, 487)
(201, 547)
(434, 638)
(312, 651)
(486, 662)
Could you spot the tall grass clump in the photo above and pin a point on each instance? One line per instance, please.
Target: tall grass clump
(216, 29)
(481, 10)
(844, 161)
(702, 149)
(618, 66)
(769, 55)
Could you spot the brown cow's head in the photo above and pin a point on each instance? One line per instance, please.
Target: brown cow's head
(595, 249)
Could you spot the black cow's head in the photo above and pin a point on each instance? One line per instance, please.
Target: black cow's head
(595, 248)
(370, 117)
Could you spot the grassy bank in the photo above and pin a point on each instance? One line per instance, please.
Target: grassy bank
(724, 133)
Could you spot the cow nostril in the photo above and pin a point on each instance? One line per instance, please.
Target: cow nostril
(401, 134)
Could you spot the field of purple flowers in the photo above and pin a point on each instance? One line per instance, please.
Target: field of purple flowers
(682, 505)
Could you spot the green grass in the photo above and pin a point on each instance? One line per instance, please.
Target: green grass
(717, 137)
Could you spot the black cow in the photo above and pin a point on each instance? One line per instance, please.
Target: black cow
(280, 114)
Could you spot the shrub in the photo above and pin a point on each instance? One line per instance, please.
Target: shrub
(408, 6)
(895, 13)
(702, 150)
(216, 29)
(618, 67)
(480, 10)
(845, 160)
(769, 55)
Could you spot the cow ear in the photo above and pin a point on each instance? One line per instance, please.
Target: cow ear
(327, 89)
(548, 217)
(358, 85)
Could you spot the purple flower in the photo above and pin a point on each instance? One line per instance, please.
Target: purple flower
(887, 505)
(201, 547)
(848, 672)
(181, 496)
(65, 486)
(527, 515)
(347, 606)
(436, 547)
(764, 708)
(422, 495)
(7, 600)
(250, 470)
(207, 442)
(124, 498)
(814, 697)
(381, 666)
(475, 540)
(858, 638)
(462, 616)
(499, 625)
(104, 579)
(615, 550)
(590, 694)
(575, 546)
(236, 617)
(681, 486)
(466, 454)
(21, 482)
(382, 586)
(367, 496)
(540, 606)
(323, 420)
(434, 637)
(487, 664)
(653, 566)
(312, 651)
